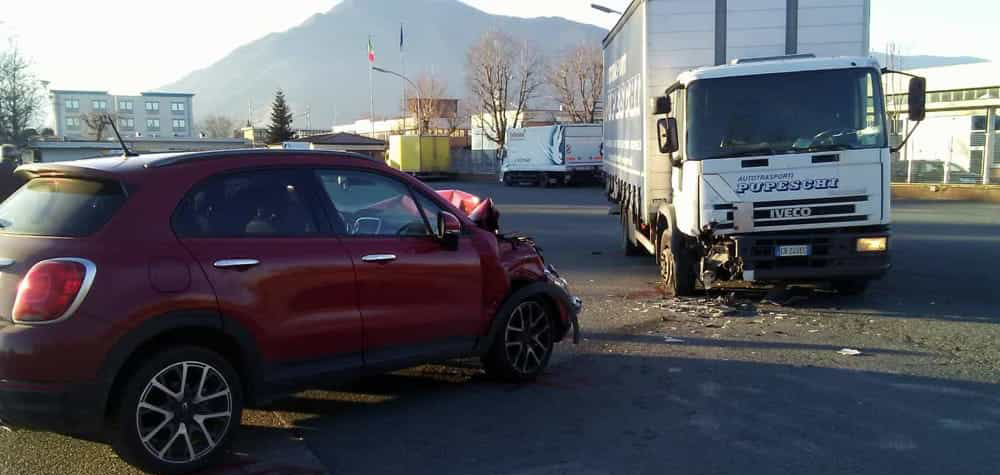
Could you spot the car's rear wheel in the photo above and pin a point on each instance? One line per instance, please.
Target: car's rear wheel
(179, 411)
(523, 347)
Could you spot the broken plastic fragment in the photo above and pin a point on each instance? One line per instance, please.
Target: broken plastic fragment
(849, 352)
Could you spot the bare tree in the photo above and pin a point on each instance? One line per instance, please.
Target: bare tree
(98, 123)
(20, 96)
(578, 82)
(503, 75)
(430, 90)
(217, 127)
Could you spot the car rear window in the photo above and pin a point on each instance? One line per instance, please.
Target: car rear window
(60, 207)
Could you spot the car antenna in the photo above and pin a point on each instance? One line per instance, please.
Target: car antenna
(127, 152)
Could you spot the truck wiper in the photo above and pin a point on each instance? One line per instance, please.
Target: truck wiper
(745, 153)
(823, 148)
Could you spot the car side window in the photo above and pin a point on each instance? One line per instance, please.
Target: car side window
(372, 205)
(260, 203)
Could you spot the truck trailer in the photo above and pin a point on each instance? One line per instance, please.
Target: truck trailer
(553, 154)
(746, 140)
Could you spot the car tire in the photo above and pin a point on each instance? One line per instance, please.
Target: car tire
(851, 287)
(676, 265)
(179, 411)
(543, 180)
(629, 247)
(522, 347)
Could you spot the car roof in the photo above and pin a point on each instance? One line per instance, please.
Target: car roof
(146, 164)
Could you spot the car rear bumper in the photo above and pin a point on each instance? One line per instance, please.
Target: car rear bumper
(61, 408)
(833, 256)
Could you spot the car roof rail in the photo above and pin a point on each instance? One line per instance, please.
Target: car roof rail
(772, 58)
(181, 158)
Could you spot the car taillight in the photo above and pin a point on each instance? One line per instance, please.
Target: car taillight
(52, 290)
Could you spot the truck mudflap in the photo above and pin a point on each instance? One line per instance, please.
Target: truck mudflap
(811, 256)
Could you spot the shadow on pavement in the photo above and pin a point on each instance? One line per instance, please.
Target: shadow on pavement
(611, 414)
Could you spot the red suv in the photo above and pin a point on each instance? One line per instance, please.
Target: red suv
(146, 300)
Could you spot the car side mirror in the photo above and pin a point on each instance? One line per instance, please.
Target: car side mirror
(448, 229)
(666, 135)
(917, 97)
(662, 105)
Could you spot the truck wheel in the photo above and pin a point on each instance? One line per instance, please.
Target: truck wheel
(676, 265)
(179, 411)
(851, 287)
(629, 247)
(543, 180)
(506, 180)
(523, 347)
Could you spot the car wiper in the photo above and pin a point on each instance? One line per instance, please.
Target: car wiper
(745, 153)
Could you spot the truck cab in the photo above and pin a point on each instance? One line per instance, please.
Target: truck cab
(779, 172)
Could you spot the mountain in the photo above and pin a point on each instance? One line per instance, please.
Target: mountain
(323, 62)
(925, 61)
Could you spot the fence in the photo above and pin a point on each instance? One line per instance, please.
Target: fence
(474, 162)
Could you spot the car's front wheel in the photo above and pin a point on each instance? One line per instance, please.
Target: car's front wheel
(178, 411)
(522, 349)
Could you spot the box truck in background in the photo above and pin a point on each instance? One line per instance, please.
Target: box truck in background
(553, 154)
(770, 170)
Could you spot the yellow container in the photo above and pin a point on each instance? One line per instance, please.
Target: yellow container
(410, 154)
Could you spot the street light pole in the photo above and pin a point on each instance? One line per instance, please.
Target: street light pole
(420, 121)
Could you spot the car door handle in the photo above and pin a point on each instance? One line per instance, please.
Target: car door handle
(379, 258)
(235, 263)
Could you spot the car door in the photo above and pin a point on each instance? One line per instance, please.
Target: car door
(275, 267)
(418, 298)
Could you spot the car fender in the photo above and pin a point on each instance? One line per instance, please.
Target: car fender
(567, 311)
(157, 326)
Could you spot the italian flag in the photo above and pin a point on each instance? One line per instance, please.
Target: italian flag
(371, 51)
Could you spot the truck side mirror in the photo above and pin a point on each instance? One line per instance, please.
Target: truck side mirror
(662, 105)
(666, 135)
(917, 99)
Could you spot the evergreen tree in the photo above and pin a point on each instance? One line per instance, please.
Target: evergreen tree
(280, 129)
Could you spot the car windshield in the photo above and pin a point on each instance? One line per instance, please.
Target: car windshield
(784, 113)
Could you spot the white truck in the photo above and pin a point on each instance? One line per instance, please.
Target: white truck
(553, 154)
(770, 170)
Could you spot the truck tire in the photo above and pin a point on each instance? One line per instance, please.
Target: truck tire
(851, 287)
(676, 265)
(629, 247)
(543, 180)
(506, 180)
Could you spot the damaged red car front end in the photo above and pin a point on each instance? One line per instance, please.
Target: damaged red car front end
(520, 260)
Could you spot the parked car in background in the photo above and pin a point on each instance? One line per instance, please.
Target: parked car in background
(145, 301)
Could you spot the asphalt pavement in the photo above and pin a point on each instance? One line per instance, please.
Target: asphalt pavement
(726, 383)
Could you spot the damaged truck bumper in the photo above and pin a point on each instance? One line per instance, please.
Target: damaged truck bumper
(818, 255)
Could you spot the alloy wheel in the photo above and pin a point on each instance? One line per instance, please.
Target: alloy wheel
(184, 412)
(528, 337)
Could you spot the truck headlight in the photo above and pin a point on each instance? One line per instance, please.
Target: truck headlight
(873, 244)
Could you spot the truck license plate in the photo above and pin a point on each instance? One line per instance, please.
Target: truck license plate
(793, 251)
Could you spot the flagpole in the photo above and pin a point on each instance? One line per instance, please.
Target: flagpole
(371, 88)
(402, 59)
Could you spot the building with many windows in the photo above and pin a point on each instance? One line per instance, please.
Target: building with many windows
(959, 141)
(150, 114)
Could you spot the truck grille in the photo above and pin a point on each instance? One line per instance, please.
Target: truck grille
(839, 209)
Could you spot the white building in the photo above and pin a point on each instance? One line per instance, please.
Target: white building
(958, 143)
(150, 114)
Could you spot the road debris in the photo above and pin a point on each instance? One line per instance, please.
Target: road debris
(670, 339)
(849, 352)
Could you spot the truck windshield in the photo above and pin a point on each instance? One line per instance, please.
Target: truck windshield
(783, 113)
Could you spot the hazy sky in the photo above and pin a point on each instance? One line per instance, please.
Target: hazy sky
(126, 46)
